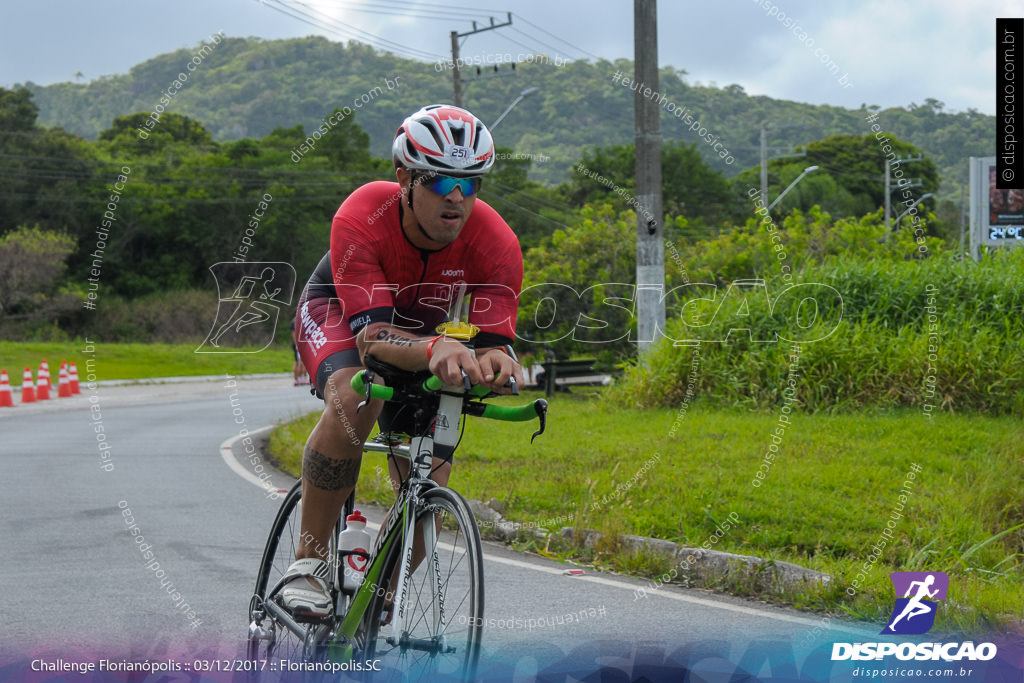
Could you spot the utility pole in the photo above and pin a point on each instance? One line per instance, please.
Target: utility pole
(963, 216)
(650, 245)
(888, 186)
(456, 65)
(456, 69)
(765, 158)
(764, 164)
(888, 199)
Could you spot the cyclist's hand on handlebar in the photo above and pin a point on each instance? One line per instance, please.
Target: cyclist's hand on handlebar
(497, 366)
(449, 357)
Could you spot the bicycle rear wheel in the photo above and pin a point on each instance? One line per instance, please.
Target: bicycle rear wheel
(444, 599)
(273, 634)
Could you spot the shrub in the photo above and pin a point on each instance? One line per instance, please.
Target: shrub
(891, 348)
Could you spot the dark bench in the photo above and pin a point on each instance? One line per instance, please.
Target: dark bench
(563, 369)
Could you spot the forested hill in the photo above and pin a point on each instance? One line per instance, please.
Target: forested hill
(248, 87)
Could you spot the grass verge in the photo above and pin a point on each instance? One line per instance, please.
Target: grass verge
(824, 503)
(138, 361)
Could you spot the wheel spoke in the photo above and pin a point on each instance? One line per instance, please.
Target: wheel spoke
(270, 638)
(459, 587)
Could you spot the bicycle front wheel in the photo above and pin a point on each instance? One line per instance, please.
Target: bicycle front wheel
(443, 605)
(273, 634)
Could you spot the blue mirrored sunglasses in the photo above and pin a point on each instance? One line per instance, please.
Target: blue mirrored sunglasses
(443, 185)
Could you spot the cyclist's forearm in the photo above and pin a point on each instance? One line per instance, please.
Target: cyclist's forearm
(394, 345)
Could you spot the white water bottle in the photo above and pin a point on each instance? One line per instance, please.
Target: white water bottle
(354, 537)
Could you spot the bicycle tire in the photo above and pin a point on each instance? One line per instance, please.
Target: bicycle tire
(268, 638)
(459, 559)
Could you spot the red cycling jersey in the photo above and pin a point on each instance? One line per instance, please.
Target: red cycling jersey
(377, 275)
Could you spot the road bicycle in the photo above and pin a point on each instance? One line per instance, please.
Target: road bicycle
(419, 609)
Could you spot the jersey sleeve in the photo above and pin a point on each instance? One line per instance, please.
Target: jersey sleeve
(495, 305)
(358, 275)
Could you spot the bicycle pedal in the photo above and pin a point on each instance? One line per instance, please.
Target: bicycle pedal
(303, 618)
(310, 619)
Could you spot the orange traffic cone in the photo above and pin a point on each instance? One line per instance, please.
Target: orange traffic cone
(64, 385)
(6, 398)
(73, 378)
(43, 382)
(28, 388)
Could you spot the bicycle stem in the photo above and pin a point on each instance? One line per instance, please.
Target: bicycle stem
(362, 383)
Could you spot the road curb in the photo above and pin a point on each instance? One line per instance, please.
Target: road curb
(175, 380)
(690, 566)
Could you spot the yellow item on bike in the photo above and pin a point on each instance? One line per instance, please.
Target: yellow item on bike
(458, 330)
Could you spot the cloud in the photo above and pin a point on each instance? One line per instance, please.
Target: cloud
(894, 53)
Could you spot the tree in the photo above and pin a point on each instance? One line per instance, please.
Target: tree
(850, 180)
(597, 175)
(689, 186)
(17, 110)
(31, 265)
(578, 287)
(346, 145)
(532, 210)
(47, 172)
(139, 133)
(510, 170)
(244, 148)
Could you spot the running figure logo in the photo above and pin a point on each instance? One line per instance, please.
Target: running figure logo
(247, 316)
(914, 613)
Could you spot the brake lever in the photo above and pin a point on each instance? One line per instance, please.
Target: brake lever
(466, 384)
(368, 376)
(513, 385)
(541, 406)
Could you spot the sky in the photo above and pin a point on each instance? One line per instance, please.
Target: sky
(885, 52)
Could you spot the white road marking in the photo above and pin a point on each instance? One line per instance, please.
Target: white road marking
(227, 454)
(671, 595)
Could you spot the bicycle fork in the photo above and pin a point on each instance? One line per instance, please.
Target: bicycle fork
(423, 448)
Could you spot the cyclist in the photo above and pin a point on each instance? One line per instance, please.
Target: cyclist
(397, 254)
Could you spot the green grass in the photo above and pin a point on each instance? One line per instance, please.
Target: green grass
(822, 505)
(138, 361)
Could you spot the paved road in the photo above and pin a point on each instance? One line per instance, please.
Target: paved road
(74, 574)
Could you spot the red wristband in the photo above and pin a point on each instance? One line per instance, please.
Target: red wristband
(430, 345)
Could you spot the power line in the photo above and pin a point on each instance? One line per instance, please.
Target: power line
(525, 47)
(525, 21)
(513, 28)
(428, 7)
(351, 33)
(429, 11)
(158, 200)
(403, 10)
(527, 195)
(523, 208)
(331, 22)
(114, 166)
(172, 182)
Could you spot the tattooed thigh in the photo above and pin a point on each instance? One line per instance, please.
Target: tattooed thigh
(330, 474)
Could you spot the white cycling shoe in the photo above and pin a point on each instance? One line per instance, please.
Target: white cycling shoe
(303, 589)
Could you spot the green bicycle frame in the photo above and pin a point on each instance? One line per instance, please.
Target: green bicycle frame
(340, 647)
(341, 650)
